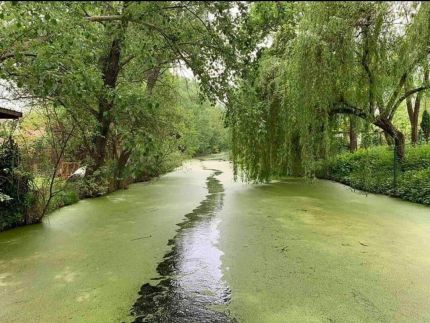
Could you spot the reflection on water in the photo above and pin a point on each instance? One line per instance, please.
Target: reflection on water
(191, 285)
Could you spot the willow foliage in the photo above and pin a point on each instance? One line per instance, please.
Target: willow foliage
(338, 58)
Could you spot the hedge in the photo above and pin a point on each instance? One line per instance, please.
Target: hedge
(372, 170)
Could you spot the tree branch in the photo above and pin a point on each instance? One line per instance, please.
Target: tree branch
(405, 96)
(11, 55)
(343, 107)
(392, 100)
(104, 18)
(55, 171)
(126, 61)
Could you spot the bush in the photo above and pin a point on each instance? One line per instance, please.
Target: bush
(14, 187)
(415, 186)
(70, 197)
(372, 170)
(64, 198)
(95, 185)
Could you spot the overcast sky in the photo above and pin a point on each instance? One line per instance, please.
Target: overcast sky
(7, 100)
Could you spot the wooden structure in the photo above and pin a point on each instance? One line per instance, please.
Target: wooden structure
(66, 169)
(9, 114)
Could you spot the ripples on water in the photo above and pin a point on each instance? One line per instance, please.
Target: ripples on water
(191, 283)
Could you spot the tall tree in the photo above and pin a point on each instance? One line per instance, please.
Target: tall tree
(88, 57)
(341, 59)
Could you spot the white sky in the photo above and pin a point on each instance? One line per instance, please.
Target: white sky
(7, 99)
(183, 71)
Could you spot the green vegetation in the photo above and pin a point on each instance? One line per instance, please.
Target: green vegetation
(191, 126)
(372, 170)
(294, 83)
(334, 70)
(15, 194)
(425, 125)
(103, 85)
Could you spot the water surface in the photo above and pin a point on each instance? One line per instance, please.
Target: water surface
(191, 282)
(195, 246)
(87, 261)
(296, 251)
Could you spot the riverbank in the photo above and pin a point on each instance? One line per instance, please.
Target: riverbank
(66, 193)
(372, 170)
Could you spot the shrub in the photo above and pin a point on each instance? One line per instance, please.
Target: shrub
(97, 184)
(63, 198)
(15, 187)
(415, 186)
(372, 170)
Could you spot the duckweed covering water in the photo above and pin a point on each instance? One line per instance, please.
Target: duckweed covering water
(290, 251)
(296, 251)
(87, 261)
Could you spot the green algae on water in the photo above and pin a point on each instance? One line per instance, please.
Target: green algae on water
(87, 261)
(290, 251)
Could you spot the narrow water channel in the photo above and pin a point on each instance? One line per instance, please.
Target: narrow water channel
(191, 283)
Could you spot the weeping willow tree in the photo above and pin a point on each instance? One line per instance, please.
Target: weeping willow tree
(340, 58)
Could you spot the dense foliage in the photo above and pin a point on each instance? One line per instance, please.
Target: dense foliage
(102, 82)
(295, 82)
(372, 170)
(180, 125)
(15, 187)
(329, 62)
(107, 66)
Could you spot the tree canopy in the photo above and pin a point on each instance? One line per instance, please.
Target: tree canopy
(288, 73)
(110, 66)
(328, 59)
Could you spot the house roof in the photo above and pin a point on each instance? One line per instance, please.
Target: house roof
(9, 114)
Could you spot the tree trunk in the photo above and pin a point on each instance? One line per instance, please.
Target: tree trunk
(120, 167)
(399, 144)
(110, 72)
(352, 134)
(119, 182)
(388, 138)
(151, 78)
(296, 161)
(100, 142)
(413, 113)
(414, 109)
(398, 137)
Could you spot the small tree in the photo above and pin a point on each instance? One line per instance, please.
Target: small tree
(425, 125)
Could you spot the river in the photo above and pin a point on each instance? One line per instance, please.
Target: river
(196, 246)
